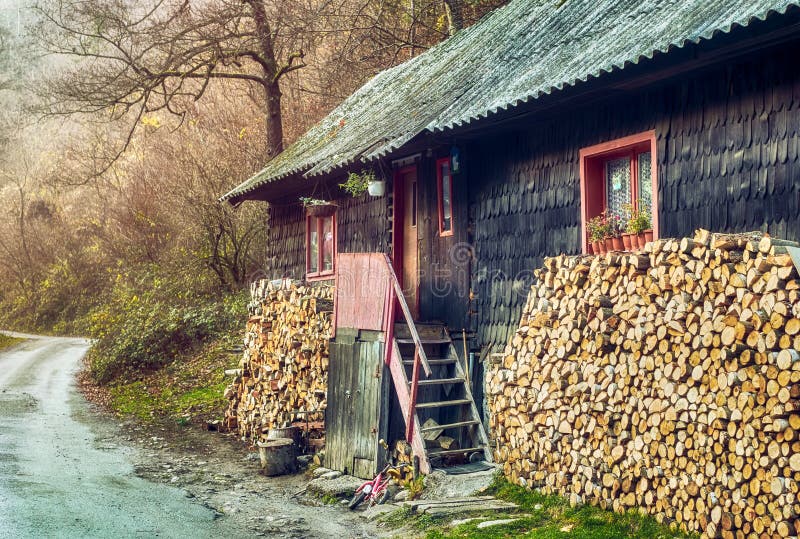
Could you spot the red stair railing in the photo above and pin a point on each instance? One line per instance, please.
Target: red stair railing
(395, 297)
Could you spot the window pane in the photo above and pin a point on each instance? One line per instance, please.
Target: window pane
(447, 210)
(618, 184)
(645, 183)
(327, 244)
(414, 204)
(313, 246)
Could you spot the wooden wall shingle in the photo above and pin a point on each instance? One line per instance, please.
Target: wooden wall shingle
(728, 141)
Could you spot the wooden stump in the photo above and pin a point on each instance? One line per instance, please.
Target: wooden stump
(278, 457)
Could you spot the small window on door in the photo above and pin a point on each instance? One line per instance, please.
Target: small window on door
(320, 246)
(444, 180)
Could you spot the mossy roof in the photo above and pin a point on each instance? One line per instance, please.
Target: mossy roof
(516, 54)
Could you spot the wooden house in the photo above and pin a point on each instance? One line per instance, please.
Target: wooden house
(497, 146)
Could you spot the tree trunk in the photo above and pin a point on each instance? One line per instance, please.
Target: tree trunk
(272, 90)
(455, 15)
(274, 119)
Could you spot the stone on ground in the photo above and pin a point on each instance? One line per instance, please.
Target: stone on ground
(317, 472)
(498, 522)
(376, 511)
(340, 487)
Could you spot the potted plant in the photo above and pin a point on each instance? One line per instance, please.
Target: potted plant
(364, 182)
(597, 232)
(628, 239)
(639, 227)
(376, 188)
(318, 208)
(614, 232)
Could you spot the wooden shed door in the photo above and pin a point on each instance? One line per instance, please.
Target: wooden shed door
(406, 239)
(356, 388)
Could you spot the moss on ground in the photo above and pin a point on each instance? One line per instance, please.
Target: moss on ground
(6, 341)
(187, 390)
(539, 516)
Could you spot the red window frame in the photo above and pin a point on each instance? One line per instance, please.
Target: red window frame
(440, 191)
(592, 172)
(319, 222)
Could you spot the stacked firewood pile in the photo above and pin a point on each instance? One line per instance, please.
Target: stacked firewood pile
(665, 380)
(283, 373)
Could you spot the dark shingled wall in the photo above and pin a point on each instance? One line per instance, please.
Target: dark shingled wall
(727, 147)
(363, 224)
(287, 242)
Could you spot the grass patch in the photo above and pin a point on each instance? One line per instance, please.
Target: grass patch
(133, 399)
(539, 516)
(7, 342)
(187, 390)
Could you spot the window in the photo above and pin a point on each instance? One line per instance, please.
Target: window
(320, 245)
(617, 173)
(444, 182)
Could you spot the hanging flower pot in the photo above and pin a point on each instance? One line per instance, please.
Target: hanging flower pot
(627, 241)
(321, 210)
(376, 188)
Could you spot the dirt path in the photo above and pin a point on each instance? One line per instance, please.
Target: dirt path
(218, 472)
(68, 471)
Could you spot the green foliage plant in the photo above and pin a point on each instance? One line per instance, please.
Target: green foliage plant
(139, 328)
(357, 183)
(638, 220)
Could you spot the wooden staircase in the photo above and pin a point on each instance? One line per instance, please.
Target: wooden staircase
(444, 396)
(369, 297)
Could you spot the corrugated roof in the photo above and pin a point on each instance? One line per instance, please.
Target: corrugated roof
(519, 52)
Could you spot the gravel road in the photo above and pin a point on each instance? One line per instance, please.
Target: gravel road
(68, 471)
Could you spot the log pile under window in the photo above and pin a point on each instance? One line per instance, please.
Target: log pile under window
(282, 377)
(667, 380)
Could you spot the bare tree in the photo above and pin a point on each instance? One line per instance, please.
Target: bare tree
(133, 58)
(136, 58)
(455, 15)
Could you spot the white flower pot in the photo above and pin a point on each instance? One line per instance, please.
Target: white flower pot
(377, 188)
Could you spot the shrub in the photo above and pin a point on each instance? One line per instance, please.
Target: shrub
(136, 331)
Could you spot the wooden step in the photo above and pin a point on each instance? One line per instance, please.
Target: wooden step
(451, 425)
(442, 404)
(444, 361)
(440, 381)
(425, 331)
(454, 451)
(423, 341)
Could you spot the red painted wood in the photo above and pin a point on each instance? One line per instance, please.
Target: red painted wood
(440, 203)
(389, 318)
(400, 384)
(412, 406)
(362, 282)
(320, 275)
(335, 300)
(591, 171)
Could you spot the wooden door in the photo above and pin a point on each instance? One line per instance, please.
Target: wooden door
(356, 413)
(406, 239)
